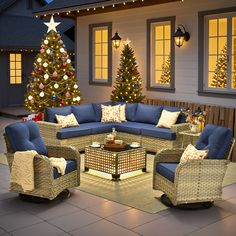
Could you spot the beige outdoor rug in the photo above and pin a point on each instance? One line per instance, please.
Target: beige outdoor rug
(134, 190)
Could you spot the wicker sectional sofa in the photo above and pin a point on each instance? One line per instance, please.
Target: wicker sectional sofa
(140, 126)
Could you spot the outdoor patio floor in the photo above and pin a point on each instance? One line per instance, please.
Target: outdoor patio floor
(86, 214)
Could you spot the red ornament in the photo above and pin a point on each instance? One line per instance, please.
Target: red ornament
(62, 103)
(72, 74)
(40, 69)
(64, 65)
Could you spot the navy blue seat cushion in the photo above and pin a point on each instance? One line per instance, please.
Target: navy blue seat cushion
(98, 127)
(153, 131)
(51, 112)
(216, 139)
(71, 132)
(98, 110)
(24, 136)
(130, 111)
(148, 113)
(181, 117)
(167, 170)
(84, 113)
(130, 127)
(71, 165)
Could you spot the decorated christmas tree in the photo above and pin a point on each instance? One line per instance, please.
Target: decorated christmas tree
(219, 79)
(52, 82)
(165, 75)
(128, 84)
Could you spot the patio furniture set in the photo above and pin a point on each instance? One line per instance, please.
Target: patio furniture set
(183, 182)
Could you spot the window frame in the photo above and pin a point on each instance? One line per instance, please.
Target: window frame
(92, 80)
(203, 89)
(150, 55)
(15, 69)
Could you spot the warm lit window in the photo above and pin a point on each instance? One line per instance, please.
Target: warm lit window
(15, 68)
(160, 53)
(101, 53)
(219, 53)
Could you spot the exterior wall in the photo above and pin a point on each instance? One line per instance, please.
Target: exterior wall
(132, 24)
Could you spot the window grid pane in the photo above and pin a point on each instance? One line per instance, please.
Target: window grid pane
(233, 57)
(162, 54)
(15, 68)
(101, 54)
(217, 53)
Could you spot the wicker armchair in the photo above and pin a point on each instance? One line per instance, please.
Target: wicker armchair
(22, 136)
(195, 180)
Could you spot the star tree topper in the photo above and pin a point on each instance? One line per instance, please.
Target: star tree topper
(52, 25)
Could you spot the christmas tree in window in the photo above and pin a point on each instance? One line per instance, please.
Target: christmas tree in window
(219, 79)
(165, 75)
(128, 84)
(52, 82)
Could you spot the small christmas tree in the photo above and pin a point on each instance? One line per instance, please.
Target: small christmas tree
(219, 79)
(165, 75)
(52, 82)
(128, 84)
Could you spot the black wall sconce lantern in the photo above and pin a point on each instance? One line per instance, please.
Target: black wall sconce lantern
(116, 39)
(181, 36)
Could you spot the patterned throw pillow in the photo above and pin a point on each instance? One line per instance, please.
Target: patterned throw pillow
(67, 121)
(168, 119)
(110, 113)
(122, 112)
(191, 153)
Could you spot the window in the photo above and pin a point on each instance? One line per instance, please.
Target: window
(160, 58)
(217, 54)
(15, 68)
(100, 54)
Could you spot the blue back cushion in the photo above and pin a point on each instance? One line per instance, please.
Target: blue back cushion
(148, 113)
(84, 113)
(98, 110)
(181, 117)
(216, 139)
(50, 113)
(130, 111)
(24, 136)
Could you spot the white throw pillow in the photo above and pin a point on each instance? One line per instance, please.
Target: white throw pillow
(168, 119)
(67, 121)
(122, 112)
(110, 113)
(191, 153)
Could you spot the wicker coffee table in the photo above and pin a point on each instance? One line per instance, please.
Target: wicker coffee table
(115, 163)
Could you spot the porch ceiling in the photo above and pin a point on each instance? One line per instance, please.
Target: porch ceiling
(76, 8)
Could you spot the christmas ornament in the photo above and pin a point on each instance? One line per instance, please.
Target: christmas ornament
(67, 94)
(65, 77)
(48, 51)
(68, 61)
(45, 41)
(136, 84)
(71, 73)
(52, 25)
(46, 76)
(62, 103)
(76, 86)
(32, 101)
(39, 60)
(60, 41)
(64, 65)
(51, 54)
(41, 86)
(56, 86)
(63, 58)
(54, 96)
(42, 51)
(54, 74)
(30, 97)
(40, 69)
(41, 94)
(45, 64)
(62, 50)
(78, 98)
